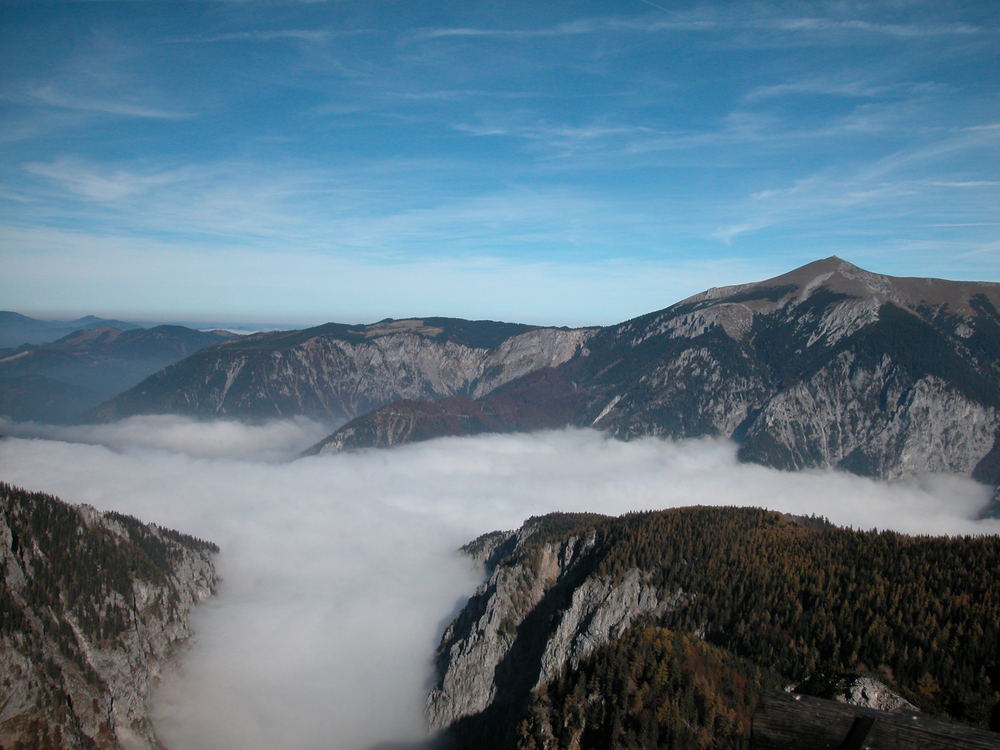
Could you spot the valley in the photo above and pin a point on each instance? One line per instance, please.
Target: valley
(837, 399)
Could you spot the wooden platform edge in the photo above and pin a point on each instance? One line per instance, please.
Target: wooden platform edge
(789, 721)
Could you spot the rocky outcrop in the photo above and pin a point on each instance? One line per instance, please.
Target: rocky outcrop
(859, 690)
(93, 604)
(490, 658)
(867, 692)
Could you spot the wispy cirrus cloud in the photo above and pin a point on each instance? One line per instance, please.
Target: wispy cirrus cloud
(52, 95)
(893, 188)
(710, 20)
(847, 88)
(261, 35)
(966, 183)
(103, 184)
(853, 25)
(581, 27)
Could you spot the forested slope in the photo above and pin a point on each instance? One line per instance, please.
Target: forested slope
(658, 629)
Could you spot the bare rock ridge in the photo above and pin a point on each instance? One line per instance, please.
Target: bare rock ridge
(826, 366)
(91, 606)
(336, 372)
(661, 629)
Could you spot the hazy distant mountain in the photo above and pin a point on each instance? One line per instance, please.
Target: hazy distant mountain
(826, 366)
(59, 381)
(335, 372)
(660, 629)
(17, 329)
(91, 606)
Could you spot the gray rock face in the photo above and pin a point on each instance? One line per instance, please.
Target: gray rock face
(92, 606)
(600, 612)
(481, 654)
(335, 373)
(868, 692)
(877, 421)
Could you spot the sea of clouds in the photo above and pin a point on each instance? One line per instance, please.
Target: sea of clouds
(340, 572)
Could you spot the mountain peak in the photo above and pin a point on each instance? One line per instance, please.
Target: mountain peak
(834, 274)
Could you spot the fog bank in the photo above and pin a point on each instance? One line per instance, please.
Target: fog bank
(274, 440)
(340, 571)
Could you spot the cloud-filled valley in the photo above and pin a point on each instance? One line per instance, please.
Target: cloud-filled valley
(339, 572)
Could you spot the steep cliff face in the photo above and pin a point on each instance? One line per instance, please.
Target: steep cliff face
(92, 604)
(336, 372)
(489, 659)
(661, 628)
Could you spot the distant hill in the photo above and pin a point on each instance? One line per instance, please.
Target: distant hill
(660, 629)
(59, 381)
(17, 329)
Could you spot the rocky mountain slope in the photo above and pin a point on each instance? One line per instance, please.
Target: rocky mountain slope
(59, 381)
(826, 366)
(336, 372)
(659, 629)
(91, 605)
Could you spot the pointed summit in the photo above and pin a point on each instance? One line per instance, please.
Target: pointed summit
(834, 274)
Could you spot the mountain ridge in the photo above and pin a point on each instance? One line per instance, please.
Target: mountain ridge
(336, 371)
(799, 369)
(825, 366)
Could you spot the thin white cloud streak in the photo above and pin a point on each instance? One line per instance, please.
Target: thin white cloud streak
(340, 571)
(299, 35)
(851, 26)
(759, 20)
(893, 186)
(819, 87)
(570, 29)
(52, 96)
(104, 185)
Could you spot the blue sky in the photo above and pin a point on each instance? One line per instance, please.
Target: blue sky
(558, 163)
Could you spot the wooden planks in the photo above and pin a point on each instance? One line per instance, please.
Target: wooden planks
(787, 721)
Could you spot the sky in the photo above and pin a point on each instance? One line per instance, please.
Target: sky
(565, 163)
(340, 572)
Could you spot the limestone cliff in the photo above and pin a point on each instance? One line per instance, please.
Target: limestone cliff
(488, 657)
(91, 606)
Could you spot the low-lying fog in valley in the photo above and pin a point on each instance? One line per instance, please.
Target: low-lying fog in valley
(340, 571)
